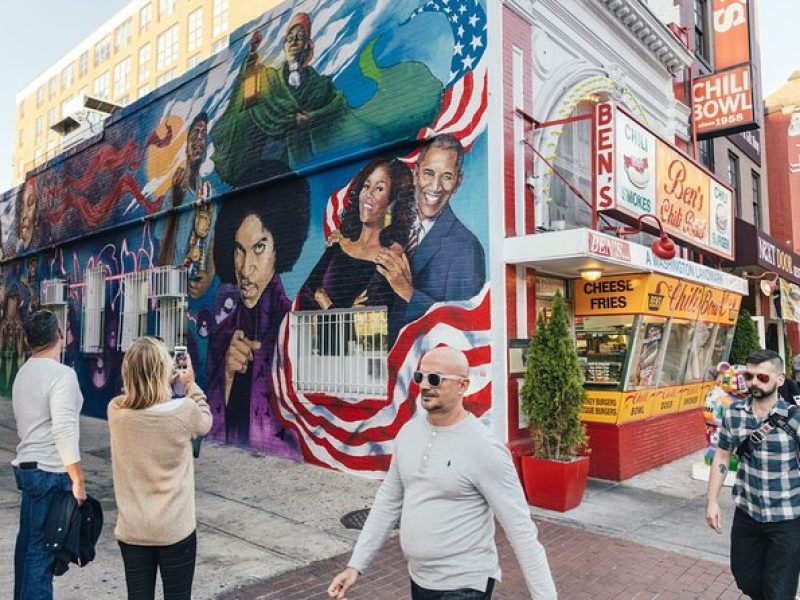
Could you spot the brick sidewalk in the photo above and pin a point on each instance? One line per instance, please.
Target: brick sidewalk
(586, 566)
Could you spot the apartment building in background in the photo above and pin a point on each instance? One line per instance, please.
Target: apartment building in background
(144, 45)
(783, 144)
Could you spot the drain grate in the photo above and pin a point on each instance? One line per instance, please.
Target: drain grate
(357, 518)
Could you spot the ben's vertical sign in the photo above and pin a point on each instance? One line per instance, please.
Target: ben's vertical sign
(604, 155)
(723, 102)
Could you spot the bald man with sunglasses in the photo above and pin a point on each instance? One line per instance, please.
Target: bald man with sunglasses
(449, 478)
(765, 535)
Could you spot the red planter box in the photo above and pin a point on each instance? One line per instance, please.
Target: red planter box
(554, 485)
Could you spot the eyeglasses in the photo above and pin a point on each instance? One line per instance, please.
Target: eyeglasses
(434, 379)
(762, 377)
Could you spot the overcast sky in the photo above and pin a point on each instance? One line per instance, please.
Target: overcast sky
(35, 33)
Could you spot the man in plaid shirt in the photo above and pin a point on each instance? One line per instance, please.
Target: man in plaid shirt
(765, 535)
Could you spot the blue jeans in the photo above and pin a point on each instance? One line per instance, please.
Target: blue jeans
(33, 564)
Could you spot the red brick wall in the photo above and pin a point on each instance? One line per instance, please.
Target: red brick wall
(517, 31)
(780, 205)
(621, 451)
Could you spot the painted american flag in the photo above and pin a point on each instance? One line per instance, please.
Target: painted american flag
(356, 435)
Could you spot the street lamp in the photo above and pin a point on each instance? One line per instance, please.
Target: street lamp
(663, 248)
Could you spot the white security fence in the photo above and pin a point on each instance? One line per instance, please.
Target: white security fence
(340, 351)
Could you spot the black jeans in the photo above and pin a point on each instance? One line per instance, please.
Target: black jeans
(176, 563)
(420, 593)
(765, 557)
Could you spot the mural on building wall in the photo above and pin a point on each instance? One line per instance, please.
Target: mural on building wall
(323, 182)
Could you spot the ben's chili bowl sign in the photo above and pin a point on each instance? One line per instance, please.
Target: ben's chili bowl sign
(650, 176)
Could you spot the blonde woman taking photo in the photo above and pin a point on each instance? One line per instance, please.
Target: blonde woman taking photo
(153, 468)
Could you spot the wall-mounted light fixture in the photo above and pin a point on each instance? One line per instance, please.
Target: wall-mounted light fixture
(663, 247)
(769, 281)
(591, 274)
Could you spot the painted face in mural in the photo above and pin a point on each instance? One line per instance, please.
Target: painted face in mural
(253, 259)
(373, 200)
(436, 178)
(27, 216)
(99, 373)
(295, 44)
(196, 142)
(33, 266)
(11, 307)
(202, 223)
(202, 329)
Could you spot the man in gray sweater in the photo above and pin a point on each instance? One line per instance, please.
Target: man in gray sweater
(47, 404)
(448, 479)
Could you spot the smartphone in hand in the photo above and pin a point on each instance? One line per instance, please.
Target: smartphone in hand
(180, 364)
(181, 352)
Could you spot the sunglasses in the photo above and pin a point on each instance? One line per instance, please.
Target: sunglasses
(434, 379)
(762, 377)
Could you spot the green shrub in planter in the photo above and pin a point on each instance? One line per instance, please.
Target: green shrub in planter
(745, 339)
(552, 392)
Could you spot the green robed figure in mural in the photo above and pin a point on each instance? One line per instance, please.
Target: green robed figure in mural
(289, 113)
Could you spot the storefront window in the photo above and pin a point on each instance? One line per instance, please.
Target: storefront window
(646, 353)
(573, 162)
(602, 344)
(700, 361)
(679, 342)
(722, 346)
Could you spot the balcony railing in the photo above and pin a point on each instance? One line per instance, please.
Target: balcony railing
(341, 351)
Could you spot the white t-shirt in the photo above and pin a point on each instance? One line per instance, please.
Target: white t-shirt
(47, 402)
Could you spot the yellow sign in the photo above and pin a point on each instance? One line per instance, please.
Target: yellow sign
(790, 301)
(682, 190)
(670, 297)
(653, 294)
(601, 407)
(665, 400)
(625, 407)
(635, 406)
(719, 306)
(695, 395)
(610, 295)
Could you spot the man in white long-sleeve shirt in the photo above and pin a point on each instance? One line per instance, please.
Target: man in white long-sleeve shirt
(47, 405)
(448, 479)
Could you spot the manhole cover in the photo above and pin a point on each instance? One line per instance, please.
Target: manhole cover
(356, 519)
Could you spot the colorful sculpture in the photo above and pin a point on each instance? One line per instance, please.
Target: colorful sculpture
(729, 386)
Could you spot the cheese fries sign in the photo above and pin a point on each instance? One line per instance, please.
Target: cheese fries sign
(637, 172)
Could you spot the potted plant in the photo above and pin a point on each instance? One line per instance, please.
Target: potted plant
(745, 338)
(555, 475)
